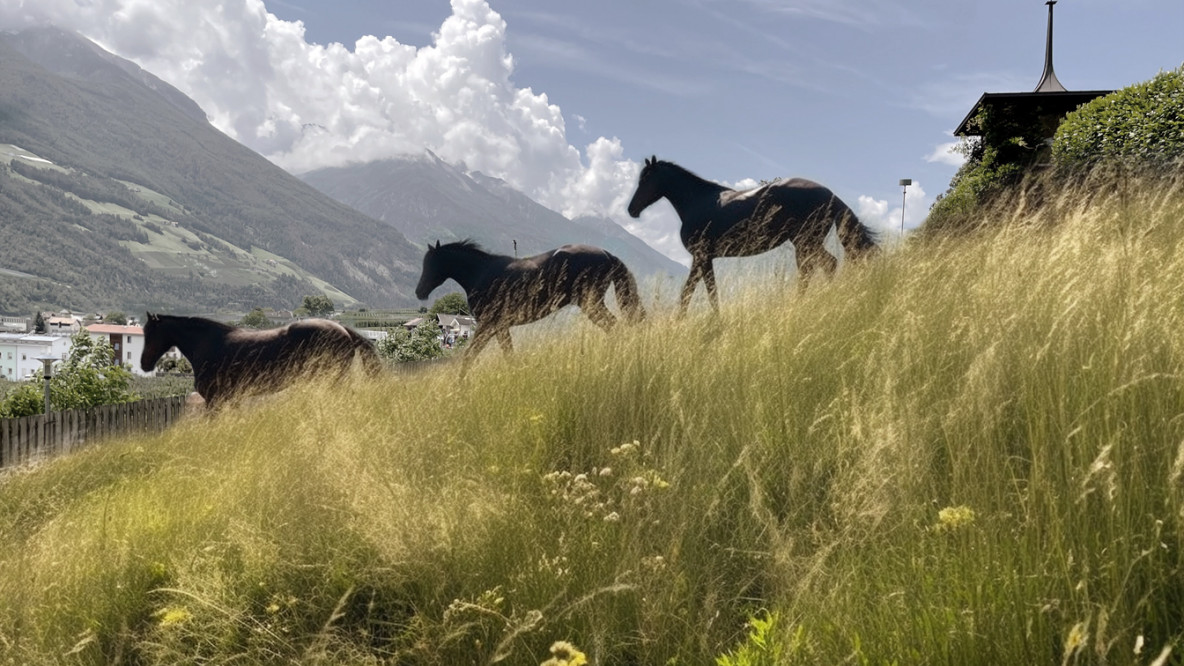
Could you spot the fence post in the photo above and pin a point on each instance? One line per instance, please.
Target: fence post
(5, 445)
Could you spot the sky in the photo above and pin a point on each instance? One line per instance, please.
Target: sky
(565, 100)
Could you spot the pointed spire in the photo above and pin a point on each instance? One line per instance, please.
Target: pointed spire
(1049, 82)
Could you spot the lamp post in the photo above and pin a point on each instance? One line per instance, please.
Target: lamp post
(47, 371)
(904, 197)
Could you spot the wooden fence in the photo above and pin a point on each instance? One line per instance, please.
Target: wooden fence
(30, 438)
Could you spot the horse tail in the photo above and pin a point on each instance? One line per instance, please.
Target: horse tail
(625, 287)
(858, 240)
(364, 347)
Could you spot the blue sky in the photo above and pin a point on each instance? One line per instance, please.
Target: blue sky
(565, 100)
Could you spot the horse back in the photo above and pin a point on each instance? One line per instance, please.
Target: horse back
(530, 288)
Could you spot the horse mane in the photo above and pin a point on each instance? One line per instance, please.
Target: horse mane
(193, 320)
(688, 172)
(467, 246)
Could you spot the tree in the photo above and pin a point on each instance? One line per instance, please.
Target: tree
(175, 366)
(451, 303)
(86, 378)
(401, 345)
(318, 305)
(39, 323)
(116, 317)
(996, 159)
(1143, 124)
(255, 319)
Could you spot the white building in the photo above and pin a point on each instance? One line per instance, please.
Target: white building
(15, 324)
(459, 326)
(127, 343)
(19, 352)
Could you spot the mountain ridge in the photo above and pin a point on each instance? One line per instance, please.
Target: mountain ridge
(430, 200)
(71, 107)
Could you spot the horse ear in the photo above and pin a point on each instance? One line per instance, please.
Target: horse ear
(648, 162)
(437, 244)
(654, 159)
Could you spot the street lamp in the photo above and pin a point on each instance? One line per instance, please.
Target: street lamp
(47, 363)
(904, 184)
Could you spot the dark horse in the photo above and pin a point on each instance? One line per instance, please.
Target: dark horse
(229, 361)
(721, 222)
(503, 291)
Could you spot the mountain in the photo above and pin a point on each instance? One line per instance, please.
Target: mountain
(115, 191)
(428, 199)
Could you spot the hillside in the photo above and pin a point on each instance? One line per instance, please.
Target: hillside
(961, 452)
(428, 199)
(115, 191)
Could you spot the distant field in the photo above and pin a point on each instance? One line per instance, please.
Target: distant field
(175, 251)
(378, 318)
(9, 152)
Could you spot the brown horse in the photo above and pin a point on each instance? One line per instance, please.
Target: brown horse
(503, 291)
(229, 361)
(718, 221)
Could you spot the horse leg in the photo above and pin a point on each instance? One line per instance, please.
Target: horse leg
(480, 339)
(709, 280)
(598, 312)
(688, 287)
(503, 338)
(810, 263)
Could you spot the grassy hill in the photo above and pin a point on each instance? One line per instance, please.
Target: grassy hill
(115, 191)
(966, 451)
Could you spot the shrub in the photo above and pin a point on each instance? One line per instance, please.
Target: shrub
(86, 378)
(402, 346)
(1141, 123)
(450, 303)
(1008, 143)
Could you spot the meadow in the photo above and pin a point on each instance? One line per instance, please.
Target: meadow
(964, 451)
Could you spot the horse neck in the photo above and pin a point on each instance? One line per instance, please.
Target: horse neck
(187, 334)
(472, 268)
(691, 194)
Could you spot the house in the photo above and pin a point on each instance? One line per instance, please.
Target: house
(20, 353)
(458, 326)
(1047, 105)
(62, 323)
(127, 343)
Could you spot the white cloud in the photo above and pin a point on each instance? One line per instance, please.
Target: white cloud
(944, 153)
(886, 219)
(305, 106)
(743, 184)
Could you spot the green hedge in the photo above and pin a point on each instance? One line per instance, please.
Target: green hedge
(1142, 123)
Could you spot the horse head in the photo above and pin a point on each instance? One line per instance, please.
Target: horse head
(650, 187)
(432, 275)
(156, 342)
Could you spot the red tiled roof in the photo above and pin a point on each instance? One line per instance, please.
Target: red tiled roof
(115, 329)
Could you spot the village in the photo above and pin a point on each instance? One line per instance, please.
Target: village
(27, 347)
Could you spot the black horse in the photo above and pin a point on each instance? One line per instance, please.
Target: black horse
(503, 291)
(721, 222)
(229, 361)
